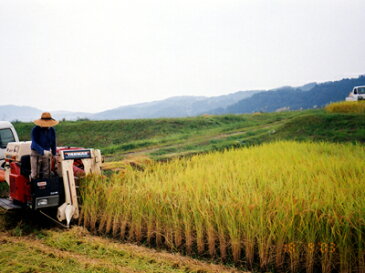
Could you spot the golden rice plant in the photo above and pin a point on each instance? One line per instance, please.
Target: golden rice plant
(346, 107)
(285, 205)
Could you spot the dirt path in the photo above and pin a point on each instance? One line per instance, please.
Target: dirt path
(197, 140)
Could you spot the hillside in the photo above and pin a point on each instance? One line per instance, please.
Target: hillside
(164, 138)
(289, 98)
(184, 106)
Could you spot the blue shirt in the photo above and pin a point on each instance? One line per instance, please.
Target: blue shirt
(43, 139)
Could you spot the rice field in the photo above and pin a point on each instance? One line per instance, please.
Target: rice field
(346, 107)
(278, 206)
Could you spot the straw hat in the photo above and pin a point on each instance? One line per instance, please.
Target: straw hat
(46, 120)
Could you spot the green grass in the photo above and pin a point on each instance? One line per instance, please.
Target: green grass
(166, 138)
(323, 126)
(105, 133)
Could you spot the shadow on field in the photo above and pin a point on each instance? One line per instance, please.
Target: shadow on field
(23, 222)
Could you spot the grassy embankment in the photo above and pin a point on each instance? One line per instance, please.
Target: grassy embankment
(284, 205)
(166, 138)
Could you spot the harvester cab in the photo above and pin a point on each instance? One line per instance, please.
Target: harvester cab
(57, 193)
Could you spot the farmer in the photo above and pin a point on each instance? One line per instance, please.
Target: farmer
(43, 146)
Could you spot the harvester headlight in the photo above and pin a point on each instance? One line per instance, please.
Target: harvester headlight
(42, 202)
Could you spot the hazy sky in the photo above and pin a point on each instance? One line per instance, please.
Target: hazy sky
(91, 55)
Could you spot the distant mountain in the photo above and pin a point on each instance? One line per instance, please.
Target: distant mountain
(308, 86)
(26, 113)
(67, 115)
(184, 106)
(289, 98)
(311, 95)
(20, 113)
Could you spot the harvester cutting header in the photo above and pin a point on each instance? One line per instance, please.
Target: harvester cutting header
(46, 180)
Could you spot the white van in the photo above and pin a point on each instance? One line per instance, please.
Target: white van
(358, 93)
(7, 134)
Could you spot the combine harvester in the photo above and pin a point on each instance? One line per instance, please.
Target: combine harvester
(55, 197)
(357, 94)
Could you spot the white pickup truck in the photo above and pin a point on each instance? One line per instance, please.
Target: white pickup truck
(7, 134)
(358, 93)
